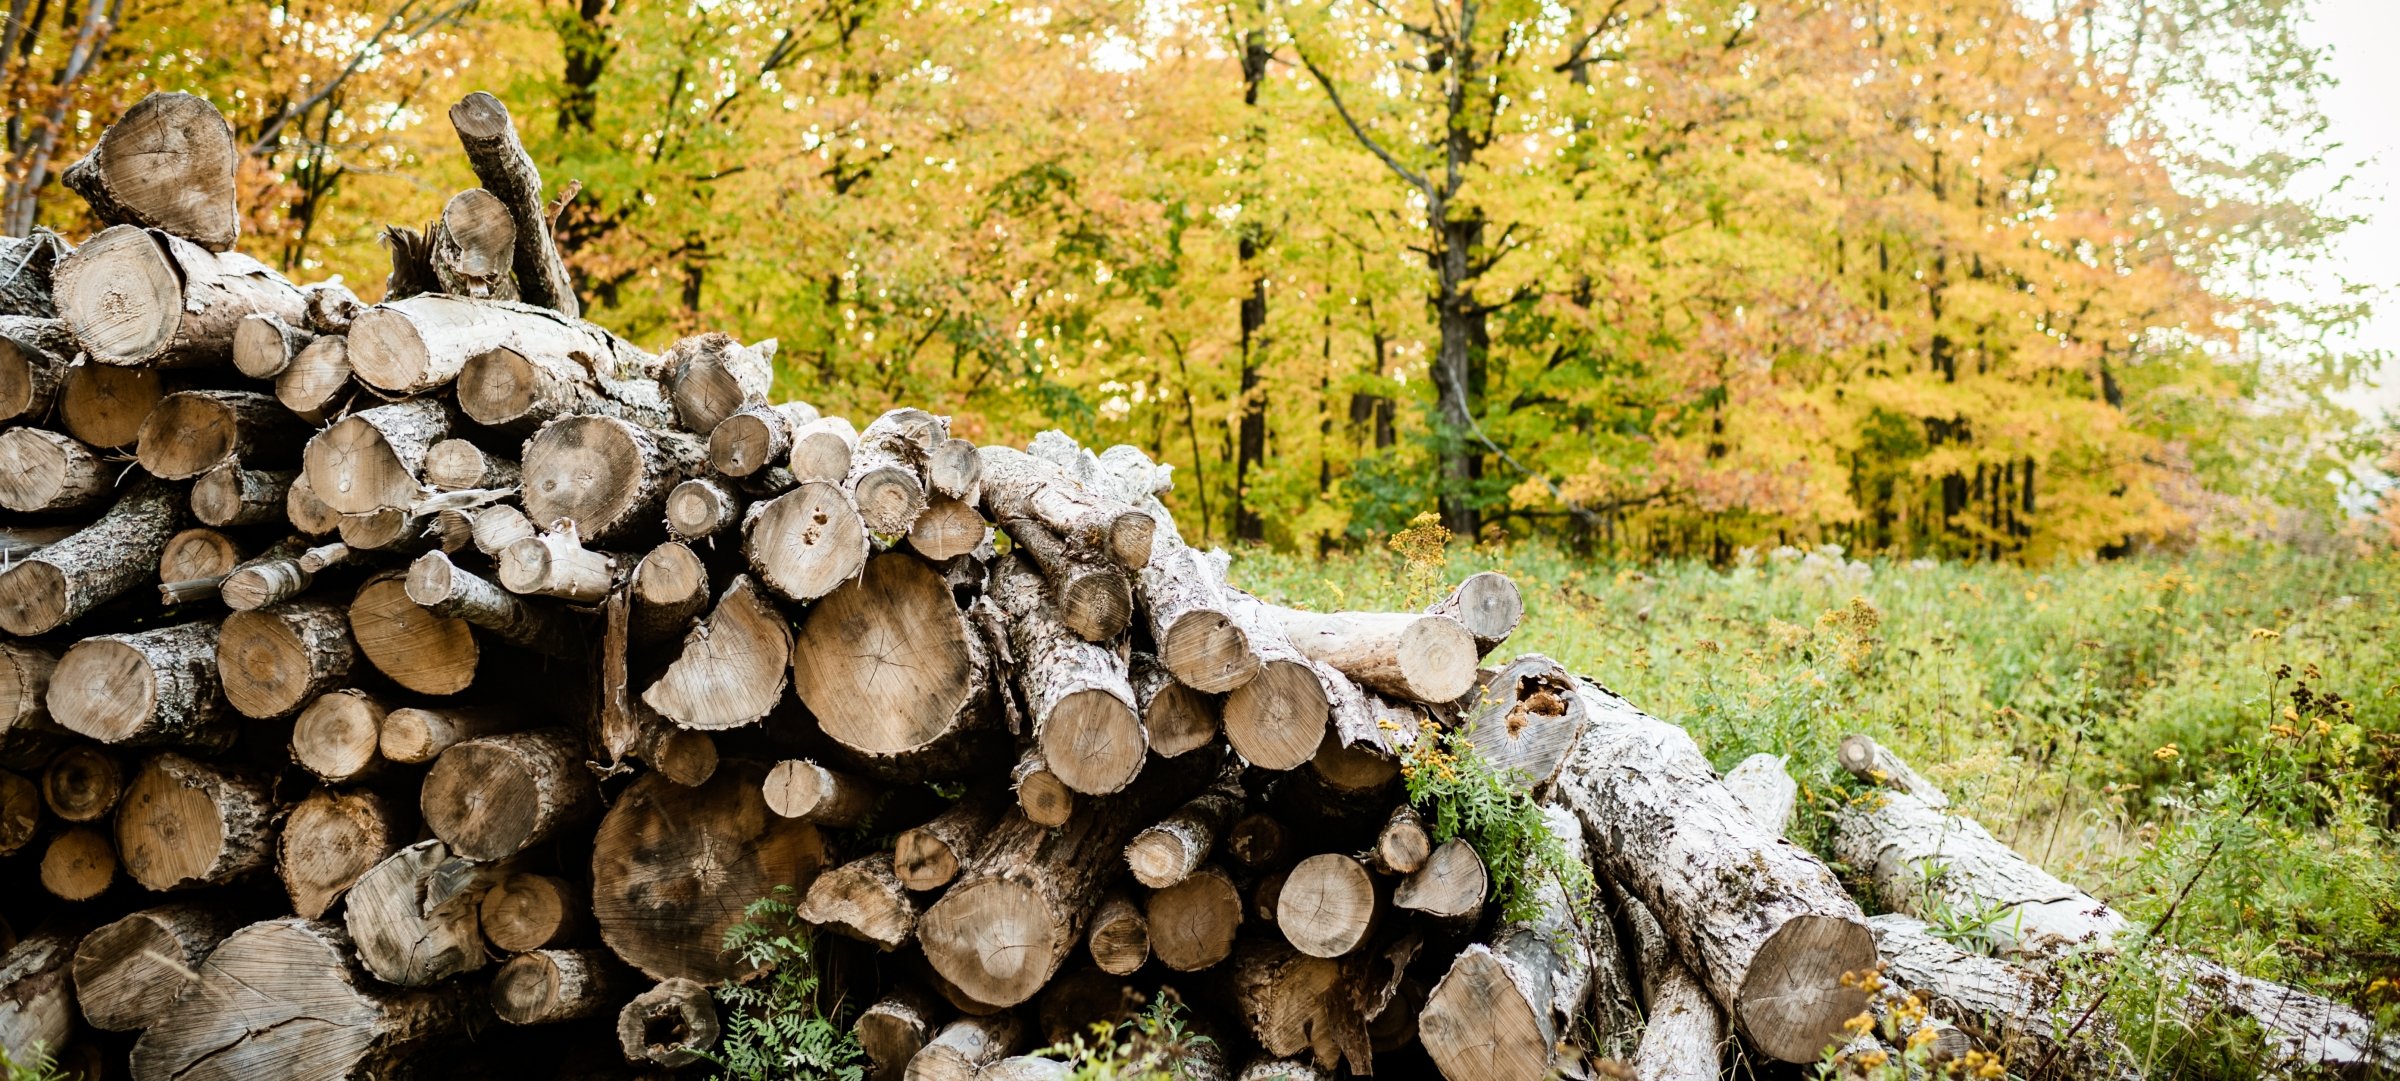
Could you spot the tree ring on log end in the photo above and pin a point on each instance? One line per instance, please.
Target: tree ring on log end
(121, 296)
(366, 474)
(169, 830)
(591, 467)
(881, 678)
(996, 940)
(1208, 652)
(1789, 1008)
(385, 349)
(1506, 1043)
(187, 434)
(1093, 742)
(424, 652)
(499, 387)
(128, 689)
(1439, 647)
(33, 597)
(1277, 720)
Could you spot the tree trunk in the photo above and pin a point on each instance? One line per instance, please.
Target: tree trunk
(731, 670)
(193, 431)
(290, 1001)
(523, 912)
(2014, 1011)
(264, 345)
(334, 739)
(805, 543)
(1163, 854)
(1019, 485)
(455, 465)
(149, 688)
(375, 458)
(757, 437)
(1488, 605)
(105, 406)
(47, 473)
(79, 864)
(53, 587)
(139, 298)
(332, 838)
(894, 1029)
(864, 900)
(701, 507)
(659, 838)
(1528, 719)
(37, 995)
(556, 564)
(545, 375)
(167, 164)
(821, 451)
(608, 476)
(548, 986)
(183, 825)
(414, 915)
(495, 796)
(230, 496)
(672, 1025)
(1763, 923)
(128, 973)
(886, 479)
(1277, 719)
(272, 661)
(438, 585)
(424, 652)
(501, 164)
(927, 857)
(424, 342)
(474, 245)
(1180, 720)
(1422, 658)
(894, 672)
(802, 789)
(35, 353)
(318, 381)
(1193, 922)
(1120, 936)
(1081, 707)
(1005, 927)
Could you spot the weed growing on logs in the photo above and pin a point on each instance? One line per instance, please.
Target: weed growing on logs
(1154, 1045)
(775, 1024)
(38, 1066)
(1464, 796)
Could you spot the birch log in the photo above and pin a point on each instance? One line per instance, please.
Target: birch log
(53, 587)
(137, 297)
(1080, 704)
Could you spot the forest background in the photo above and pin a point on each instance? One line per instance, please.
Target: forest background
(1655, 278)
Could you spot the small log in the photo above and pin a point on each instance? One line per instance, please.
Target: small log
(659, 838)
(413, 915)
(318, 380)
(886, 481)
(271, 661)
(193, 431)
(1079, 702)
(424, 652)
(799, 788)
(1488, 605)
(1093, 600)
(331, 307)
(199, 553)
(1763, 923)
(608, 476)
(333, 837)
(670, 589)
(140, 298)
(701, 507)
(496, 796)
(556, 564)
(731, 669)
(892, 670)
(264, 345)
(1276, 719)
(129, 973)
(79, 864)
(148, 688)
(336, 736)
(104, 405)
(35, 353)
(55, 586)
(2013, 1010)
(522, 912)
(498, 526)
(230, 495)
(277, 574)
(710, 377)
(954, 469)
(1120, 936)
(37, 994)
(1179, 720)
(1182, 589)
(1328, 906)
(672, 1025)
(1868, 761)
(183, 824)
(894, 1029)
(445, 590)
(1018, 485)
(517, 389)
(545, 987)
(43, 472)
(1421, 658)
(927, 857)
(421, 343)
(375, 458)
(1527, 721)
(308, 514)
(294, 1004)
(821, 450)
(756, 437)
(1451, 885)
(1193, 922)
(474, 247)
(391, 531)
(416, 735)
(25, 670)
(964, 1048)
(864, 900)
(25, 290)
(805, 543)
(1255, 842)
(500, 162)
(454, 465)
(948, 529)
(82, 784)
(1041, 796)
(1163, 854)
(1403, 844)
(167, 164)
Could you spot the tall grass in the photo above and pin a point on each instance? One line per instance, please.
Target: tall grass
(2117, 722)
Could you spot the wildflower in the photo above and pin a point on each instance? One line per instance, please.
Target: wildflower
(2167, 753)
(2262, 634)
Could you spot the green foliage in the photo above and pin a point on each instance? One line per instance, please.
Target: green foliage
(1154, 1045)
(1464, 796)
(776, 1026)
(40, 1066)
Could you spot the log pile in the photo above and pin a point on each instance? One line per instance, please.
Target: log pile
(427, 686)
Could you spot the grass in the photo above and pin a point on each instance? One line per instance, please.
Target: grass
(2227, 719)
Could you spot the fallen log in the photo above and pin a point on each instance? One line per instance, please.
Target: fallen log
(1078, 700)
(51, 588)
(1422, 658)
(1018, 485)
(1488, 605)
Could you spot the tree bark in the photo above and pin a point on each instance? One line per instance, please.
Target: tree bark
(608, 476)
(148, 688)
(128, 973)
(183, 824)
(523, 912)
(230, 496)
(928, 857)
(422, 343)
(887, 479)
(51, 588)
(271, 661)
(334, 739)
(35, 353)
(1868, 761)
(893, 671)
(548, 986)
(660, 838)
(438, 585)
(1079, 702)
(495, 796)
(333, 837)
(1019, 485)
(1764, 924)
(140, 298)
(424, 652)
(27, 292)
(501, 164)
(44, 472)
(167, 164)
(805, 543)
(1120, 936)
(864, 900)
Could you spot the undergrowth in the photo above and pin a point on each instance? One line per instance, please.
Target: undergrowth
(776, 1025)
(1155, 1045)
(1461, 795)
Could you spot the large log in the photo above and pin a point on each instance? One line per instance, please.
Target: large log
(1328, 905)
(375, 458)
(413, 915)
(660, 841)
(1765, 924)
(805, 543)
(1527, 720)
(548, 986)
(150, 687)
(893, 671)
(2017, 1012)
(331, 838)
(167, 163)
(496, 796)
(104, 405)
(489, 138)
(43, 472)
(1422, 658)
(287, 999)
(35, 353)
(1276, 719)
(608, 476)
(474, 245)
(1076, 693)
(864, 900)
(1019, 485)
(732, 667)
(58, 584)
(128, 973)
(140, 298)
(424, 652)
(424, 342)
(183, 824)
(272, 661)
(37, 994)
(1007, 924)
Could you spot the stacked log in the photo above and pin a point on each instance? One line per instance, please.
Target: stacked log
(450, 660)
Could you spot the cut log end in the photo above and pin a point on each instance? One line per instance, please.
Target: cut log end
(1093, 742)
(1793, 1003)
(1277, 720)
(1207, 651)
(1327, 905)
